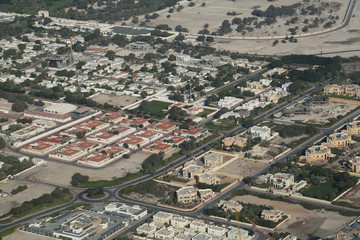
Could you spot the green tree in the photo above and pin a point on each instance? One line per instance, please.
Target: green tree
(2, 143)
(19, 106)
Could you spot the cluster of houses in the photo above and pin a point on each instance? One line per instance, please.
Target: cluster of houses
(171, 226)
(335, 140)
(282, 181)
(108, 137)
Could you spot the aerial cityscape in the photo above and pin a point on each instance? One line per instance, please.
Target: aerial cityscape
(179, 119)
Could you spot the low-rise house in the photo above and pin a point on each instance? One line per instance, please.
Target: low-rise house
(298, 186)
(165, 233)
(230, 206)
(133, 142)
(208, 178)
(149, 135)
(135, 212)
(39, 148)
(213, 159)
(186, 194)
(163, 127)
(282, 180)
(104, 137)
(350, 90)
(162, 218)
(353, 128)
(216, 231)
(27, 132)
(202, 236)
(205, 194)
(260, 132)
(317, 153)
(191, 171)
(354, 165)
(158, 146)
(179, 222)
(173, 139)
(335, 140)
(191, 132)
(230, 142)
(67, 154)
(198, 226)
(135, 121)
(233, 234)
(147, 228)
(111, 117)
(48, 116)
(272, 215)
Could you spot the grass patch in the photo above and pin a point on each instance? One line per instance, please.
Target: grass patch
(155, 107)
(7, 232)
(213, 126)
(96, 196)
(18, 189)
(169, 178)
(206, 111)
(109, 183)
(324, 190)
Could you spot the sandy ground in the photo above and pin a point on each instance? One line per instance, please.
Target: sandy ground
(316, 223)
(119, 101)
(51, 173)
(352, 196)
(242, 167)
(33, 191)
(215, 12)
(18, 235)
(321, 114)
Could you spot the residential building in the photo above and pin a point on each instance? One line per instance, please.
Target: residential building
(39, 148)
(111, 117)
(230, 142)
(191, 132)
(230, 206)
(298, 186)
(147, 228)
(104, 137)
(149, 135)
(354, 164)
(198, 226)
(182, 58)
(165, 233)
(213, 159)
(336, 140)
(139, 46)
(158, 146)
(135, 212)
(67, 154)
(229, 102)
(202, 236)
(255, 85)
(282, 180)
(27, 132)
(350, 90)
(205, 194)
(260, 132)
(186, 194)
(60, 108)
(216, 231)
(317, 153)
(162, 218)
(173, 139)
(353, 128)
(163, 127)
(191, 171)
(179, 222)
(233, 234)
(208, 178)
(272, 215)
(133, 142)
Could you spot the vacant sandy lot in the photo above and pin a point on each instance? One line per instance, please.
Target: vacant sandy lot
(50, 173)
(316, 223)
(215, 12)
(321, 114)
(352, 196)
(242, 167)
(33, 191)
(119, 101)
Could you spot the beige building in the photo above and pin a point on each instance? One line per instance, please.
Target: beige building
(230, 142)
(179, 222)
(209, 178)
(317, 153)
(254, 85)
(191, 171)
(354, 165)
(162, 217)
(353, 128)
(272, 215)
(198, 226)
(213, 159)
(335, 140)
(205, 194)
(186, 194)
(165, 233)
(350, 90)
(230, 206)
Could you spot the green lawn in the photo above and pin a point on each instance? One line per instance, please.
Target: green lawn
(108, 183)
(157, 107)
(324, 191)
(211, 125)
(96, 196)
(206, 111)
